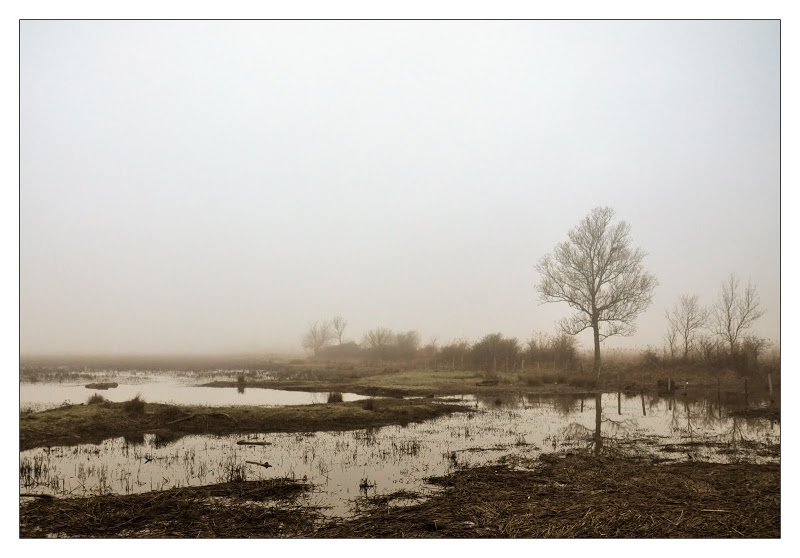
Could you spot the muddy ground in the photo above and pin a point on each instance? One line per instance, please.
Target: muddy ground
(572, 496)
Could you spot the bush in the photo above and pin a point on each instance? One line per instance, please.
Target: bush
(335, 397)
(534, 381)
(370, 404)
(96, 399)
(582, 381)
(135, 406)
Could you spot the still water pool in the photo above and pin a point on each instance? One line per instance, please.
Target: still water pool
(346, 465)
(47, 395)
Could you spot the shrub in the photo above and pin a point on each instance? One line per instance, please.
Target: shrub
(370, 404)
(96, 399)
(582, 381)
(135, 406)
(335, 397)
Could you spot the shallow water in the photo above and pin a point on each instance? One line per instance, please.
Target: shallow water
(180, 391)
(346, 465)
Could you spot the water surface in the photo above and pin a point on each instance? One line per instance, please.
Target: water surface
(346, 465)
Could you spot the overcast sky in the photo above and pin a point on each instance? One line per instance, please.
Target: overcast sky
(216, 186)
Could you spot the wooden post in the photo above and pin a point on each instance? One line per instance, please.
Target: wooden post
(581, 404)
(619, 394)
(644, 412)
(522, 366)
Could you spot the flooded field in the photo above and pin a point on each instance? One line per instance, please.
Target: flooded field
(344, 466)
(177, 390)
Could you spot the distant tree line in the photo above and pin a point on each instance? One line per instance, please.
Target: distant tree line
(493, 352)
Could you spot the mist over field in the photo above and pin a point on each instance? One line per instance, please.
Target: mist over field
(201, 186)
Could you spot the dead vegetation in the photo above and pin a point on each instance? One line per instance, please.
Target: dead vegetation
(577, 496)
(587, 497)
(233, 509)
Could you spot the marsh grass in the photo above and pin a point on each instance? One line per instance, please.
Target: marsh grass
(96, 399)
(335, 397)
(78, 424)
(135, 406)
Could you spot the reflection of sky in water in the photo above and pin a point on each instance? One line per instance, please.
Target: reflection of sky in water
(395, 457)
(40, 396)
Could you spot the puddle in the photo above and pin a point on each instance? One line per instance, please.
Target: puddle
(345, 466)
(180, 391)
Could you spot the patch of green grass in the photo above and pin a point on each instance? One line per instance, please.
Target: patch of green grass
(78, 424)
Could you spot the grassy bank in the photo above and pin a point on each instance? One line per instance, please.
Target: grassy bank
(94, 423)
(572, 497)
(390, 382)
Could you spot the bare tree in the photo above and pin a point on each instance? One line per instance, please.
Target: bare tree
(317, 336)
(735, 311)
(686, 318)
(338, 323)
(379, 343)
(598, 273)
(671, 341)
(754, 346)
(407, 343)
(378, 338)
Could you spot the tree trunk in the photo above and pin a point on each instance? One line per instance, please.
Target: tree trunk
(596, 330)
(598, 415)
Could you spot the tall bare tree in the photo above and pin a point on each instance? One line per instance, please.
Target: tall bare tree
(317, 336)
(597, 273)
(338, 324)
(735, 311)
(686, 318)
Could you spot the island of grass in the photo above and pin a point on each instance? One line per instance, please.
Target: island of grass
(100, 420)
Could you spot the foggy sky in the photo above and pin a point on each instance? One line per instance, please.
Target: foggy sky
(214, 186)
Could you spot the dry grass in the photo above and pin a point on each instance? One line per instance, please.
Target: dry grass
(96, 399)
(586, 497)
(578, 496)
(227, 510)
